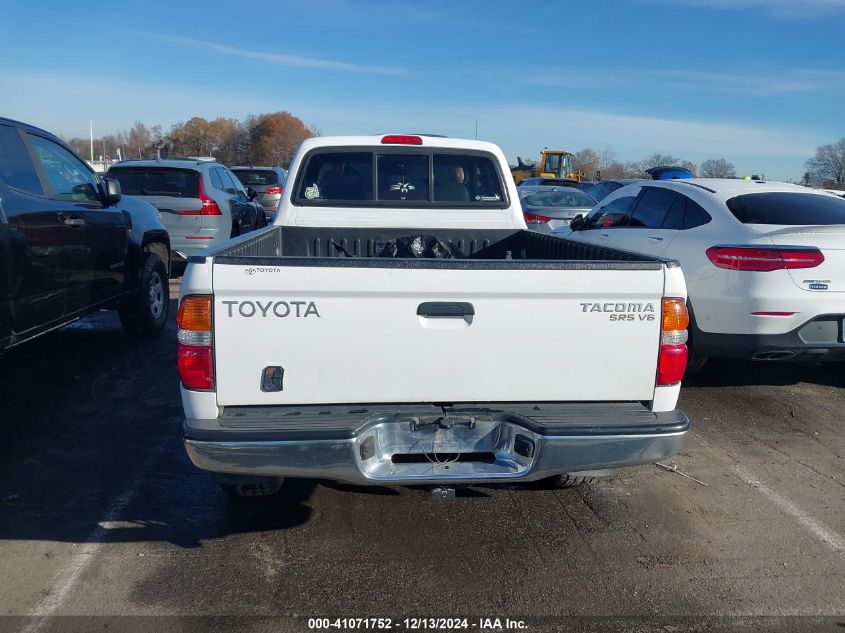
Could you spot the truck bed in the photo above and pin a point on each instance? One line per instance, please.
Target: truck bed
(318, 303)
(485, 248)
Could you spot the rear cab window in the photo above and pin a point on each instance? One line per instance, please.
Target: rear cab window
(157, 181)
(400, 178)
(788, 208)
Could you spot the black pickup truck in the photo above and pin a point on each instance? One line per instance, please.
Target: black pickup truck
(71, 244)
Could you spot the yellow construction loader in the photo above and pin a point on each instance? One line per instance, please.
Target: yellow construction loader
(553, 164)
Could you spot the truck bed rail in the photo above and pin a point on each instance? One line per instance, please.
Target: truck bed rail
(354, 246)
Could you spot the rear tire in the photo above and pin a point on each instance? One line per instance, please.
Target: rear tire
(245, 486)
(236, 230)
(144, 314)
(560, 482)
(695, 362)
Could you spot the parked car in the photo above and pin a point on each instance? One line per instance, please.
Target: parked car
(586, 185)
(201, 202)
(71, 244)
(764, 262)
(604, 188)
(546, 208)
(269, 182)
(669, 172)
(377, 356)
(558, 182)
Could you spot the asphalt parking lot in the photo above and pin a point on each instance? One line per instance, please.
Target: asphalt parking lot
(101, 514)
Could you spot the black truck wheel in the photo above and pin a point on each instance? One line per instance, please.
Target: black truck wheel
(239, 486)
(144, 314)
(568, 481)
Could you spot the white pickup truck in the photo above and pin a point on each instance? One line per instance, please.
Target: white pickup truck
(399, 325)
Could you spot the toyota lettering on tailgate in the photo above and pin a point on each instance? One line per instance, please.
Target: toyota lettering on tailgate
(280, 309)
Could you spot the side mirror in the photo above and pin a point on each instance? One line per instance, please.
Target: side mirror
(578, 222)
(251, 193)
(111, 192)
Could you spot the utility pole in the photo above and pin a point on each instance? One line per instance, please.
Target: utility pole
(476, 129)
(91, 131)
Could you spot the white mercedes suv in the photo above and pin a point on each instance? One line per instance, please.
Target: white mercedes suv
(764, 261)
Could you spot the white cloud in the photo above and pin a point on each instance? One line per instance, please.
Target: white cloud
(521, 130)
(278, 59)
(753, 83)
(633, 136)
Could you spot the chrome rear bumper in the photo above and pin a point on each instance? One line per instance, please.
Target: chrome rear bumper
(430, 445)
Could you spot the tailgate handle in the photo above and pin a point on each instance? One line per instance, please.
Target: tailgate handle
(445, 309)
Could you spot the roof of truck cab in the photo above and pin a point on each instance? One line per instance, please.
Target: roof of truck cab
(375, 141)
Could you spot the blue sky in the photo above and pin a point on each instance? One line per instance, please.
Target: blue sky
(759, 82)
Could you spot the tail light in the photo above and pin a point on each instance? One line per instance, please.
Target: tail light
(209, 206)
(273, 191)
(764, 259)
(672, 361)
(533, 218)
(194, 345)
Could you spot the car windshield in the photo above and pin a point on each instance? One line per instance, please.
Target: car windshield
(156, 181)
(557, 198)
(252, 177)
(788, 208)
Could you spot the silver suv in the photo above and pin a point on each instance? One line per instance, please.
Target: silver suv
(200, 202)
(269, 182)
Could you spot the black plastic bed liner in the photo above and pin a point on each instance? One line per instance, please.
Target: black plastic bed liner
(484, 248)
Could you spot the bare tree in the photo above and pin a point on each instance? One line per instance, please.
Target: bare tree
(586, 162)
(717, 168)
(689, 165)
(828, 165)
(138, 140)
(656, 160)
(614, 171)
(609, 168)
(606, 158)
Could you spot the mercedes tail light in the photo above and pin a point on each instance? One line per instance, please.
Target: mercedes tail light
(764, 259)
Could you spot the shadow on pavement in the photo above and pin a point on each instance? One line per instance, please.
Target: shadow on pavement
(719, 372)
